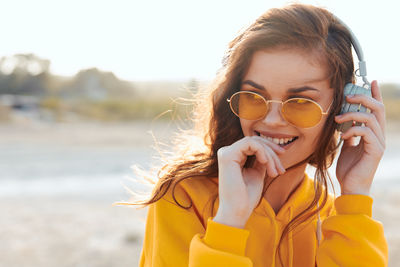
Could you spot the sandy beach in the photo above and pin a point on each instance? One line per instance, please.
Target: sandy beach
(51, 218)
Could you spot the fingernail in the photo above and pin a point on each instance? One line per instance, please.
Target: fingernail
(281, 149)
(350, 96)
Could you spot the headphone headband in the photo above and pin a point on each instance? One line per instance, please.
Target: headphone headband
(362, 64)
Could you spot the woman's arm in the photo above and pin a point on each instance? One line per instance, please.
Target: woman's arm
(351, 236)
(176, 237)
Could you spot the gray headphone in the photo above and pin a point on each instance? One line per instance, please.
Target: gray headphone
(353, 89)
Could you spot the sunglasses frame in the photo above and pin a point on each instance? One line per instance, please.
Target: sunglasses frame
(229, 100)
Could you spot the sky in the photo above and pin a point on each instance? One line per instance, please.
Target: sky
(172, 40)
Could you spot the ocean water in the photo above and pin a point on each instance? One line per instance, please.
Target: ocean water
(87, 171)
(29, 168)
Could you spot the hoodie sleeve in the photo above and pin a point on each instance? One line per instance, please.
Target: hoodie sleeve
(351, 237)
(176, 237)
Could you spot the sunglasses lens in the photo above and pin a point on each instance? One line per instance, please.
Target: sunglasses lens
(302, 112)
(248, 105)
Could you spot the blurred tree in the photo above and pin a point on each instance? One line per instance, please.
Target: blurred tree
(24, 64)
(24, 74)
(390, 90)
(96, 85)
(391, 99)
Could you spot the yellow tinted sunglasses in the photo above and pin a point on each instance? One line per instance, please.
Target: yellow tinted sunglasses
(300, 112)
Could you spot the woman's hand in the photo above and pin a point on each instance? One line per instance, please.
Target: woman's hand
(240, 188)
(357, 165)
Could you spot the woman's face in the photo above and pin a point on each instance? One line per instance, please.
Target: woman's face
(276, 74)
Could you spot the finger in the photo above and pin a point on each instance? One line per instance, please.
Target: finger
(278, 164)
(272, 149)
(373, 104)
(377, 94)
(254, 147)
(250, 148)
(276, 148)
(375, 91)
(350, 142)
(368, 119)
(372, 145)
(272, 169)
(376, 106)
(273, 164)
(238, 152)
(270, 164)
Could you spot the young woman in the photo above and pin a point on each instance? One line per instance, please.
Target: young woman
(241, 196)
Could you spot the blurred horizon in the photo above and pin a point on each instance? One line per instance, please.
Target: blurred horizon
(28, 89)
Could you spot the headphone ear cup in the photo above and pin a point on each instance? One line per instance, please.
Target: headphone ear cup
(352, 89)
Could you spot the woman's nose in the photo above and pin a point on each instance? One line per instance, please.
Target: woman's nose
(274, 115)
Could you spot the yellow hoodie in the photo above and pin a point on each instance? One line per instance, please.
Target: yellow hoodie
(189, 237)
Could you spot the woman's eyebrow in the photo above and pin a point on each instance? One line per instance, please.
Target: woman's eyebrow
(290, 90)
(301, 89)
(255, 85)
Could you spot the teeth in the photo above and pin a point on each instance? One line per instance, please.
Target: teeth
(278, 141)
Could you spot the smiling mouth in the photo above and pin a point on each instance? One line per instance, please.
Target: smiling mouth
(279, 141)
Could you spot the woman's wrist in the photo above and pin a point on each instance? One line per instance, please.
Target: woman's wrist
(230, 219)
(358, 191)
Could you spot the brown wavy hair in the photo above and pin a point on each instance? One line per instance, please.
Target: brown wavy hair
(296, 26)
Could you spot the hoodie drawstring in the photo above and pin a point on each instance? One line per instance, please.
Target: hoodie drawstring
(318, 231)
(290, 240)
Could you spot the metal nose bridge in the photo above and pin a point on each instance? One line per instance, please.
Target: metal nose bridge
(269, 107)
(274, 101)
